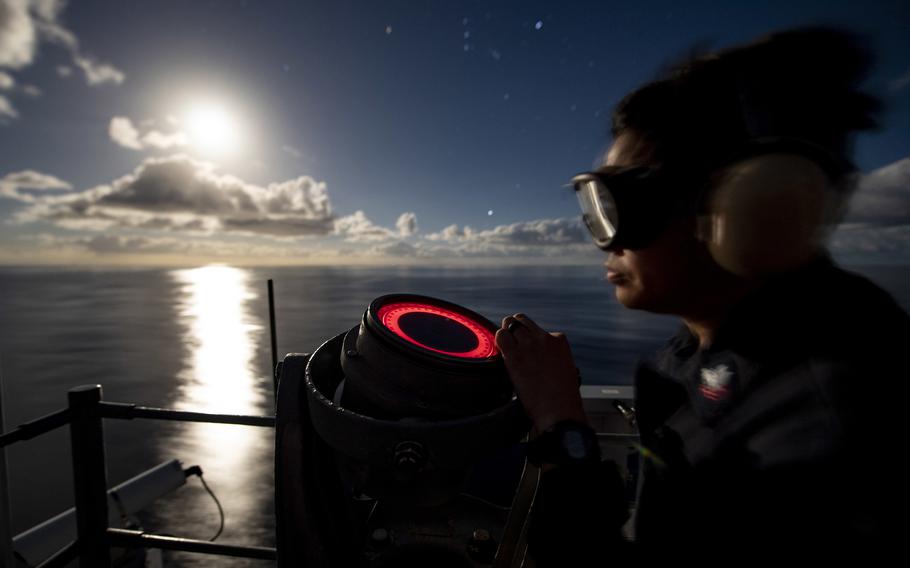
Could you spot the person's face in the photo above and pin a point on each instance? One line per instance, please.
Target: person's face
(663, 276)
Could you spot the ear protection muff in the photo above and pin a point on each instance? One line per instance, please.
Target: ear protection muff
(773, 197)
(771, 209)
(765, 214)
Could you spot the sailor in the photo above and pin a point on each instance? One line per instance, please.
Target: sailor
(769, 423)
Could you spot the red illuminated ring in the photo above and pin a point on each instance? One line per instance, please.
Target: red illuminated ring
(389, 315)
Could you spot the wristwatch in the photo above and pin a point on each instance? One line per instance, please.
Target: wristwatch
(566, 443)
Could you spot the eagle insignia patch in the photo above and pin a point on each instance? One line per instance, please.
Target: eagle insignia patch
(715, 383)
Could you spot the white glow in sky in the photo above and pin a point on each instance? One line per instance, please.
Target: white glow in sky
(212, 128)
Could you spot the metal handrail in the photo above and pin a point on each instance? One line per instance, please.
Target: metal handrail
(37, 427)
(126, 411)
(85, 415)
(138, 539)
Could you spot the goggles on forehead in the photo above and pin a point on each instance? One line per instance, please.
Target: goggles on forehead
(625, 207)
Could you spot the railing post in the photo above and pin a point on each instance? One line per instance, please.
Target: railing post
(89, 476)
(273, 341)
(6, 532)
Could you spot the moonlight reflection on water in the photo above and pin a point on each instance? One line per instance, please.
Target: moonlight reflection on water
(219, 375)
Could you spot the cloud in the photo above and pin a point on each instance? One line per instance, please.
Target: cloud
(163, 141)
(868, 242)
(132, 245)
(191, 201)
(35, 180)
(878, 221)
(452, 233)
(136, 248)
(406, 224)
(178, 205)
(8, 83)
(18, 36)
(358, 227)
(23, 24)
(278, 225)
(64, 70)
(505, 242)
(541, 237)
(48, 9)
(883, 196)
(6, 109)
(98, 73)
(95, 72)
(108, 244)
(368, 241)
(178, 193)
(542, 232)
(12, 184)
(122, 131)
(397, 248)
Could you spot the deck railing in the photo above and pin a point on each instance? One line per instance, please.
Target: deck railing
(85, 415)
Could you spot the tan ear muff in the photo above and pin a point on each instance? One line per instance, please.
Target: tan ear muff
(767, 214)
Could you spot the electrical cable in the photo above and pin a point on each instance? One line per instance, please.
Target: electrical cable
(196, 470)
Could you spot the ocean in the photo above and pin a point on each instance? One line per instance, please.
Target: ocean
(198, 339)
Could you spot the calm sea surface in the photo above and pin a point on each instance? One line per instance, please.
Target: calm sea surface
(198, 339)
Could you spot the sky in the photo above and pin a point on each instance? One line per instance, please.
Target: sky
(266, 132)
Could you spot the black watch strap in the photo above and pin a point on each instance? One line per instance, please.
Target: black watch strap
(567, 443)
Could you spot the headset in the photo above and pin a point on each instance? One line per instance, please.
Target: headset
(768, 208)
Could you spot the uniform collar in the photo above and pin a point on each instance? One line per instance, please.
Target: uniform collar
(771, 317)
(764, 319)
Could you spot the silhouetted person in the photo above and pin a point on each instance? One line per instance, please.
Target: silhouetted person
(770, 423)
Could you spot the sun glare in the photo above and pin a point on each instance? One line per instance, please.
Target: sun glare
(212, 129)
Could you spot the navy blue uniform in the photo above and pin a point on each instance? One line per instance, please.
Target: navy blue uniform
(785, 434)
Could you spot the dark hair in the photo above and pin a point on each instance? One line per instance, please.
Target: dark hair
(800, 83)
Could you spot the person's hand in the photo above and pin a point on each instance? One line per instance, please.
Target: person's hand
(542, 370)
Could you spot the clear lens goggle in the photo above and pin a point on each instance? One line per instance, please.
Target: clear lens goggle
(598, 208)
(627, 207)
(624, 207)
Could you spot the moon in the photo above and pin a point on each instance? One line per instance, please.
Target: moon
(212, 129)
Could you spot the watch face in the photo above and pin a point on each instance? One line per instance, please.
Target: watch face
(573, 441)
(568, 443)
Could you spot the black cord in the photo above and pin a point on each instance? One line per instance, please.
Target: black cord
(196, 470)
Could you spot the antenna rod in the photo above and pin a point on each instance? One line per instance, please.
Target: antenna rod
(274, 339)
